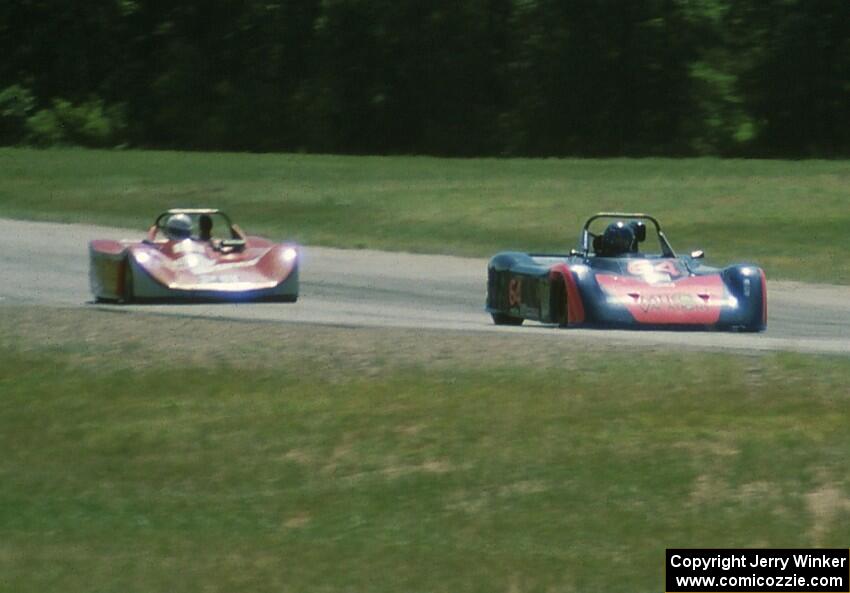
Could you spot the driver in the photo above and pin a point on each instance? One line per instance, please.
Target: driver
(205, 225)
(178, 227)
(618, 239)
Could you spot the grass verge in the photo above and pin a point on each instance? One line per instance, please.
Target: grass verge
(790, 216)
(138, 457)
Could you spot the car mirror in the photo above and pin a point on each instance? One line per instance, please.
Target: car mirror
(698, 254)
(231, 245)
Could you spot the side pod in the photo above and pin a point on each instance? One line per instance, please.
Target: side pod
(569, 308)
(107, 269)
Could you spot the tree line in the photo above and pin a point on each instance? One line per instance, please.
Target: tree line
(460, 77)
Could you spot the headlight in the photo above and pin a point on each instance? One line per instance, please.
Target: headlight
(289, 254)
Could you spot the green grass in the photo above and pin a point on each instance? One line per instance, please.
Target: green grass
(790, 216)
(157, 473)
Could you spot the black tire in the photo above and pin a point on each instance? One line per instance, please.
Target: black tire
(127, 297)
(505, 319)
(290, 298)
(558, 302)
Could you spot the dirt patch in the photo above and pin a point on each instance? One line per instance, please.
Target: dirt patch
(825, 505)
(297, 521)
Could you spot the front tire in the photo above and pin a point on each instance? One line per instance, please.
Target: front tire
(558, 302)
(127, 297)
(505, 319)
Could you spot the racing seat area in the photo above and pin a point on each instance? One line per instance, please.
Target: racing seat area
(210, 226)
(639, 229)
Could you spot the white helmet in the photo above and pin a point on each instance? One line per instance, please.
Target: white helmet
(178, 227)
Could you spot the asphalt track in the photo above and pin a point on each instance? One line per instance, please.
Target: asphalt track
(47, 264)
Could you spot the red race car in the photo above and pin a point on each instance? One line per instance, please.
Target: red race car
(194, 255)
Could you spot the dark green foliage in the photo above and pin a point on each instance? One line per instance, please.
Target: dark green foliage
(479, 77)
(88, 124)
(795, 79)
(16, 103)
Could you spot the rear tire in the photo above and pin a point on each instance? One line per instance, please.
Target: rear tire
(505, 319)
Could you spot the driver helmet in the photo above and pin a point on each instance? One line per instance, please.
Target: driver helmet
(178, 227)
(618, 238)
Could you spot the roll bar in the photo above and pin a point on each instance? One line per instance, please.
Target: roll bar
(235, 231)
(666, 248)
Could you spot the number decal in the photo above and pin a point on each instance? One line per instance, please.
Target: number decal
(668, 267)
(514, 292)
(642, 267)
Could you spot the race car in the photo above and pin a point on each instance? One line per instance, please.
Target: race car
(609, 282)
(194, 254)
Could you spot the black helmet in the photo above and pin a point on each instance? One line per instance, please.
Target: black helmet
(618, 238)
